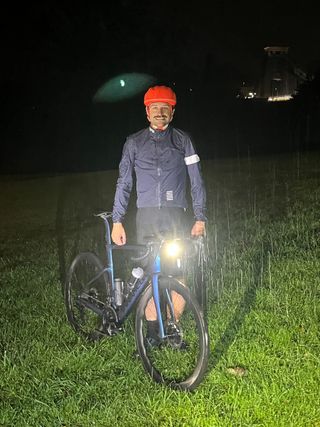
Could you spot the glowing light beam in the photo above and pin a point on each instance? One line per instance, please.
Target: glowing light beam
(123, 87)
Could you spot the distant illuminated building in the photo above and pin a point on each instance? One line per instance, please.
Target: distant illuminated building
(246, 92)
(281, 77)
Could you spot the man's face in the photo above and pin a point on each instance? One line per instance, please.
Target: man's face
(159, 114)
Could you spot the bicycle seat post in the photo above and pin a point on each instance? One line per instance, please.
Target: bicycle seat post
(107, 230)
(108, 244)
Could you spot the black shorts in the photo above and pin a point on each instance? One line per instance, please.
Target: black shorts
(160, 222)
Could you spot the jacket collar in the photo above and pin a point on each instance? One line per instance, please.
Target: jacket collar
(159, 134)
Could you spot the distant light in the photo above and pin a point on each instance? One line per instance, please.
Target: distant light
(251, 95)
(122, 83)
(279, 98)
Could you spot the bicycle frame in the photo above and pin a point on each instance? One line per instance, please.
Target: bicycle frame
(125, 309)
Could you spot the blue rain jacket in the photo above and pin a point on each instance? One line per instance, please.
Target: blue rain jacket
(161, 161)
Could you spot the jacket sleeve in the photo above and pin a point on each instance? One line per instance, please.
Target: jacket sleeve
(198, 192)
(124, 183)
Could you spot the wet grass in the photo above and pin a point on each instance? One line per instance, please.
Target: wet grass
(264, 311)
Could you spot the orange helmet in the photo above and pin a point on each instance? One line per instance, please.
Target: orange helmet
(160, 94)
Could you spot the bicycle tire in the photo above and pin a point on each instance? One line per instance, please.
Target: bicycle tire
(196, 274)
(79, 286)
(201, 293)
(180, 360)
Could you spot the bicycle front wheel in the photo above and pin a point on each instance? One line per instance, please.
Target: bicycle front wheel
(85, 293)
(180, 359)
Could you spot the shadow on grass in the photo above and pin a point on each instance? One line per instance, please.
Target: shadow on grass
(220, 348)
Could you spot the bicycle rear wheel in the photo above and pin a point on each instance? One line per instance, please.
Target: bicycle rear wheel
(85, 294)
(180, 359)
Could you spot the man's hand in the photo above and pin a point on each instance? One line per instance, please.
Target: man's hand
(118, 234)
(198, 229)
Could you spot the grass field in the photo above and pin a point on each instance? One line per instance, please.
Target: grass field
(264, 311)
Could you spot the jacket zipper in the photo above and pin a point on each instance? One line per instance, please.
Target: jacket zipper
(158, 174)
(159, 188)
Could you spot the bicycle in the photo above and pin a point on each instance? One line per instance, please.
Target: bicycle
(98, 304)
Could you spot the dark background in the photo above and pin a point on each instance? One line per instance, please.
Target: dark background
(56, 56)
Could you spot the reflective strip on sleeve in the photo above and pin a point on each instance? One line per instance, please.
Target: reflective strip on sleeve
(190, 160)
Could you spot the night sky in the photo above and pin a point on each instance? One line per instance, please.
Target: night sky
(56, 57)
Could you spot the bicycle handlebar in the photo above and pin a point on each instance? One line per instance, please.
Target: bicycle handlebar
(142, 257)
(195, 242)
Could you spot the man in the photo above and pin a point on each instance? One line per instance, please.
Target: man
(161, 157)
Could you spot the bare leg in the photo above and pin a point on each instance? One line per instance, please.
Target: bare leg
(178, 307)
(150, 311)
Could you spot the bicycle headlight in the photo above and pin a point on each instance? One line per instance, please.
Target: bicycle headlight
(173, 249)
